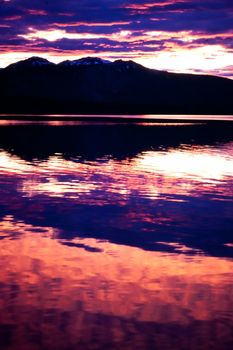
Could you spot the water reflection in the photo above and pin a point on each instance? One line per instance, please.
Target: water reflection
(109, 249)
(61, 297)
(154, 197)
(90, 141)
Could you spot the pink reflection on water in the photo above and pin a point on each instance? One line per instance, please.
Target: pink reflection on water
(191, 117)
(171, 174)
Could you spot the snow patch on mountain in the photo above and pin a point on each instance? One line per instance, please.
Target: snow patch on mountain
(85, 61)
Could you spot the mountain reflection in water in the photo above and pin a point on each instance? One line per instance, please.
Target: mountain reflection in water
(116, 237)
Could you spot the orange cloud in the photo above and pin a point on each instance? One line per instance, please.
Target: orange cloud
(89, 24)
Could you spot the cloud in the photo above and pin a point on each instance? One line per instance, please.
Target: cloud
(117, 27)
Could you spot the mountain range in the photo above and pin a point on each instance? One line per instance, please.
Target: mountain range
(93, 85)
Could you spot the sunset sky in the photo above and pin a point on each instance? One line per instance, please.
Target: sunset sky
(175, 35)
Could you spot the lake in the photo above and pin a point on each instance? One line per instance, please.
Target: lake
(116, 235)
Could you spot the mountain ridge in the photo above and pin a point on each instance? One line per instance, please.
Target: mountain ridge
(93, 85)
(36, 61)
(93, 60)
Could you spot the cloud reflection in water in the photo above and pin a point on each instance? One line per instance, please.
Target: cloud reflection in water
(57, 296)
(153, 197)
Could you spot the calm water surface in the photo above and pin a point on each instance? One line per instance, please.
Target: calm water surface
(116, 236)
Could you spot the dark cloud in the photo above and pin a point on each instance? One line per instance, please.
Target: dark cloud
(99, 45)
(172, 15)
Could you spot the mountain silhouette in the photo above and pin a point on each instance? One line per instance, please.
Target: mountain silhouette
(93, 85)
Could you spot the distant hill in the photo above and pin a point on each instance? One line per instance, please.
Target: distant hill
(92, 85)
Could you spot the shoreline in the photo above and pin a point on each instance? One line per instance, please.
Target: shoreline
(116, 118)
